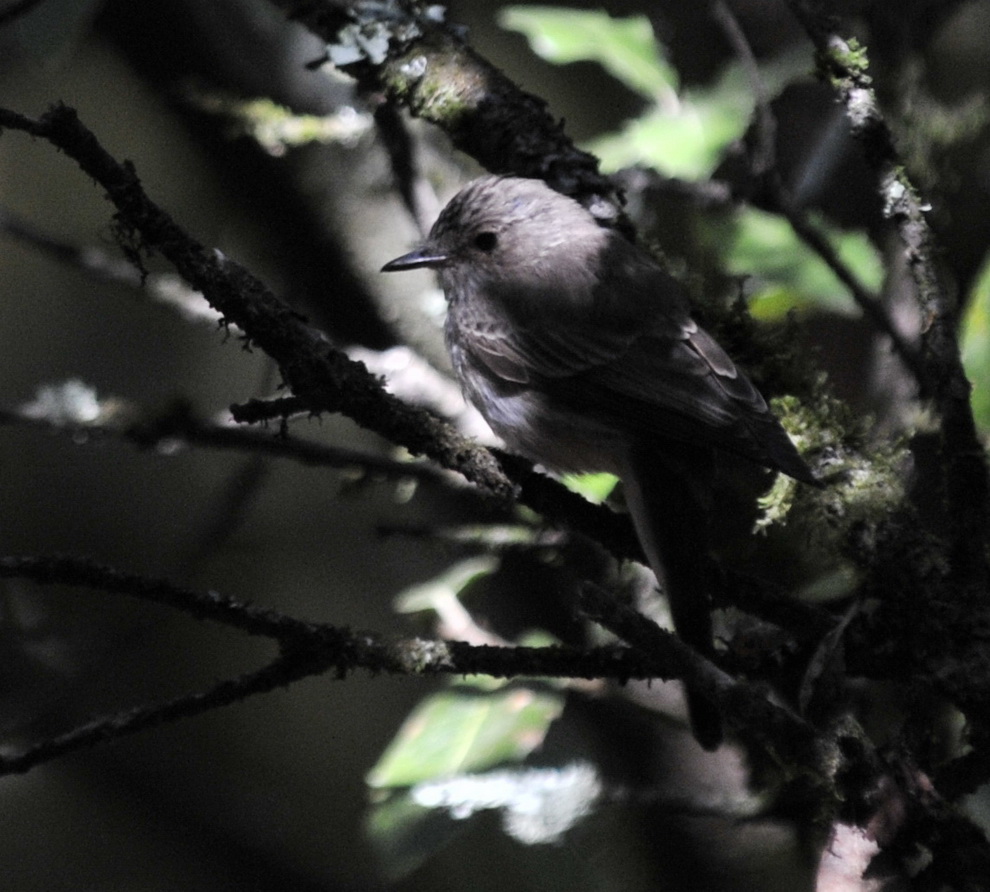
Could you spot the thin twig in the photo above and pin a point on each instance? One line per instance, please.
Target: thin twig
(763, 167)
(259, 411)
(178, 425)
(747, 708)
(95, 262)
(866, 300)
(282, 671)
(101, 265)
(764, 159)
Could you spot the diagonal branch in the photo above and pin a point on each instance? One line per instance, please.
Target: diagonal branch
(305, 650)
(747, 708)
(280, 672)
(324, 378)
(967, 483)
(764, 167)
(405, 51)
(321, 377)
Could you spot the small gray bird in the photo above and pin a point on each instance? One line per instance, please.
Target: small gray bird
(579, 350)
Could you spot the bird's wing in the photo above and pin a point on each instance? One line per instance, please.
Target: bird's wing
(640, 364)
(687, 389)
(629, 337)
(537, 353)
(532, 331)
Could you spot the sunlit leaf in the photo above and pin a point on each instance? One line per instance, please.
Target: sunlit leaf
(461, 730)
(975, 335)
(437, 593)
(681, 133)
(783, 273)
(686, 143)
(624, 47)
(594, 487)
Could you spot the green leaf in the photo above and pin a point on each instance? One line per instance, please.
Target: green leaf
(440, 592)
(686, 143)
(976, 346)
(681, 135)
(686, 137)
(786, 274)
(624, 47)
(463, 730)
(594, 487)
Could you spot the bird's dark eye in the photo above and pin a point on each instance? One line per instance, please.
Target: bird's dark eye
(486, 241)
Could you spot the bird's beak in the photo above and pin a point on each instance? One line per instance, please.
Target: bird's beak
(415, 260)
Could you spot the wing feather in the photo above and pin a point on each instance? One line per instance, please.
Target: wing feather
(631, 360)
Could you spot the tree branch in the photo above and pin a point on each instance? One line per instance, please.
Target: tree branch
(764, 168)
(178, 424)
(308, 649)
(324, 378)
(746, 707)
(967, 483)
(407, 53)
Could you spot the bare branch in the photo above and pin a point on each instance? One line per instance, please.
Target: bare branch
(306, 649)
(745, 707)
(178, 426)
(324, 378)
(103, 265)
(417, 194)
(868, 302)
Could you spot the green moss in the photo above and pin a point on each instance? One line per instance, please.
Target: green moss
(435, 83)
(852, 58)
(864, 486)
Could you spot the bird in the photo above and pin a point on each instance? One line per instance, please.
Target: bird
(579, 349)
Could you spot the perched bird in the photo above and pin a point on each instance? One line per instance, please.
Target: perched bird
(579, 350)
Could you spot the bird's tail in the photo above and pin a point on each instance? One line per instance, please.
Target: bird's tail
(669, 496)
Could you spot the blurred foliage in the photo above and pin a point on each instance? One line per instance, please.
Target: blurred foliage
(681, 135)
(685, 133)
(277, 128)
(594, 487)
(682, 132)
(441, 593)
(783, 272)
(469, 727)
(624, 47)
(975, 337)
